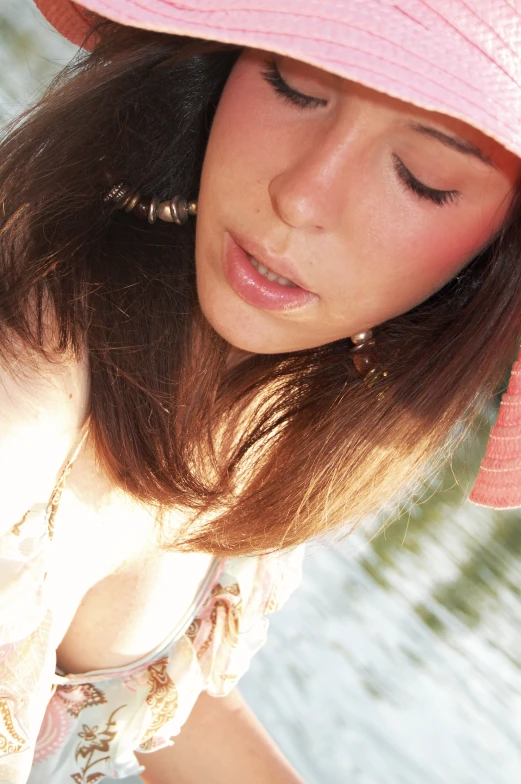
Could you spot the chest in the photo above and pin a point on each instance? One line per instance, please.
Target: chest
(126, 615)
(114, 592)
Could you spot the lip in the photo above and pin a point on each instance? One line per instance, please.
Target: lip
(278, 264)
(252, 287)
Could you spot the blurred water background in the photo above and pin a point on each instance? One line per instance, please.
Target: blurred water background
(399, 660)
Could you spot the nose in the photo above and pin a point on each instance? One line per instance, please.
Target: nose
(311, 190)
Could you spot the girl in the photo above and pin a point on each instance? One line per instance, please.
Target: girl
(259, 266)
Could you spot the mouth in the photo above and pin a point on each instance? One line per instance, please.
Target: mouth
(257, 283)
(267, 273)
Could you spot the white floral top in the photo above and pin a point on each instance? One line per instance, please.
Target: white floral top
(57, 728)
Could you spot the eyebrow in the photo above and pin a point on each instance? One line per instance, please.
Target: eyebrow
(454, 142)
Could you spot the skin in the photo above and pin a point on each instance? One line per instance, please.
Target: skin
(319, 186)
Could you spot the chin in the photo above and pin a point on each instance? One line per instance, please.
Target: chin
(248, 329)
(245, 340)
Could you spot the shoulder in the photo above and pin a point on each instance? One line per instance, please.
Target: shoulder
(232, 624)
(43, 405)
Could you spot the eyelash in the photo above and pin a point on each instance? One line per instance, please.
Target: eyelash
(438, 197)
(272, 75)
(282, 88)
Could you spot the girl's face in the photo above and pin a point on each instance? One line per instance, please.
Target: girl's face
(364, 204)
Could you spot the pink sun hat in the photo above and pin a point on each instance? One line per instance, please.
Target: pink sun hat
(461, 58)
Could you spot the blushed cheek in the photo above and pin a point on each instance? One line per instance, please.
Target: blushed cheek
(444, 243)
(446, 248)
(450, 247)
(427, 256)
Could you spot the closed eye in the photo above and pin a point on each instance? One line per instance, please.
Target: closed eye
(409, 180)
(272, 75)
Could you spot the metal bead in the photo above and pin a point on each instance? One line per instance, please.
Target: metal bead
(361, 337)
(176, 210)
(164, 212)
(131, 202)
(363, 348)
(179, 209)
(116, 194)
(152, 210)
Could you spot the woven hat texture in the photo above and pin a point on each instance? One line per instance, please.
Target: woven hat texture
(462, 58)
(499, 480)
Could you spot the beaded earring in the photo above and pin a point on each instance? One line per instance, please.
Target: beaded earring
(177, 209)
(174, 210)
(365, 357)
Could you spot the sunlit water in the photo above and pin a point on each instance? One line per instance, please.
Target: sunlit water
(411, 677)
(398, 661)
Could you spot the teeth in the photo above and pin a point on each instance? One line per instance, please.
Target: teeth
(269, 274)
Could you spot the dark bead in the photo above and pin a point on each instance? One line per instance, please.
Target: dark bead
(141, 209)
(364, 362)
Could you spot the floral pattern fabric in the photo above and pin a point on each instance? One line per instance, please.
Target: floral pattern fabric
(81, 728)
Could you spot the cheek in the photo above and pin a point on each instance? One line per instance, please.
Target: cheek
(447, 246)
(239, 148)
(439, 250)
(422, 248)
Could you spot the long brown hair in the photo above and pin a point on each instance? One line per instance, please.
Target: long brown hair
(316, 447)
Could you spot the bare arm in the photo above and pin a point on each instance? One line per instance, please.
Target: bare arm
(222, 742)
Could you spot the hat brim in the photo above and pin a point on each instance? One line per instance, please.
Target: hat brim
(442, 60)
